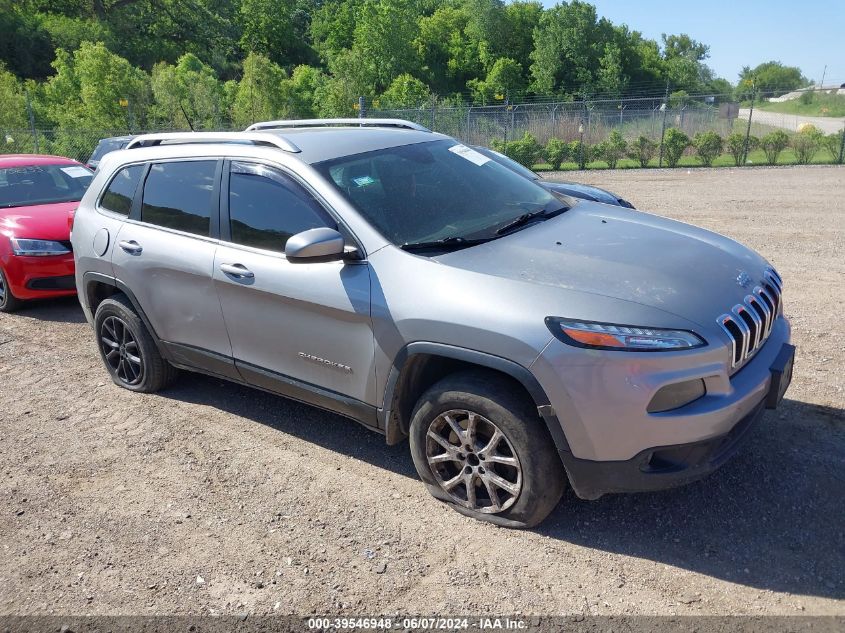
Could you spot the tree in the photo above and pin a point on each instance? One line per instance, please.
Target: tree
(556, 151)
(735, 144)
(187, 94)
(96, 89)
(612, 148)
(300, 91)
(806, 144)
(277, 29)
(525, 151)
(405, 92)
(504, 81)
(709, 146)
(683, 59)
(260, 96)
(675, 143)
(447, 53)
(13, 114)
(642, 150)
(772, 77)
(333, 27)
(773, 144)
(382, 39)
(611, 78)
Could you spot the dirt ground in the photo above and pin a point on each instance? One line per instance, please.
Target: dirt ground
(214, 498)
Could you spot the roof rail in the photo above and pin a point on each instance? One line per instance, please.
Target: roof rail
(290, 123)
(185, 138)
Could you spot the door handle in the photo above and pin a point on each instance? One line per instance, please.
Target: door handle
(132, 247)
(238, 271)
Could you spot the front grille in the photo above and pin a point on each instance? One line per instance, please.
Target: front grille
(749, 323)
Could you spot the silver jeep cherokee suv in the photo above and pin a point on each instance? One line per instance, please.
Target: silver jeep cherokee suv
(397, 277)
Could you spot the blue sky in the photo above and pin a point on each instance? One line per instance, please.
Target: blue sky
(805, 33)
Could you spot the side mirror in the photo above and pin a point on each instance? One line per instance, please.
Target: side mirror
(323, 244)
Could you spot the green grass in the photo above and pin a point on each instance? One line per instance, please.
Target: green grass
(755, 158)
(821, 104)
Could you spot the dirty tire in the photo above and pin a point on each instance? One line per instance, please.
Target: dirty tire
(501, 404)
(135, 363)
(8, 301)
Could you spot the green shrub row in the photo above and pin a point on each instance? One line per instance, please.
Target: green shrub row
(707, 146)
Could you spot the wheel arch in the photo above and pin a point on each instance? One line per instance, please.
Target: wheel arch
(420, 364)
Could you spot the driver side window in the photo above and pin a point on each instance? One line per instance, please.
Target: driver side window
(267, 207)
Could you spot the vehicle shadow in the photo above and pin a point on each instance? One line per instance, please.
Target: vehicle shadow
(771, 518)
(59, 310)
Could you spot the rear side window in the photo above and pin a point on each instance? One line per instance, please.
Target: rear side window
(266, 207)
(118, 195)
(180, 196)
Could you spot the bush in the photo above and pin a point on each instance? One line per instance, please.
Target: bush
(556, 152)
(525, 151)
(575, 152)
(642, 150)
(833, 144)
(709, 147)
(773, 144)
(806, 145)
(674, 144)
(735, 144)
(612, 149)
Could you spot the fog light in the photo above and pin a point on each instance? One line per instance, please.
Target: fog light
(676, 395)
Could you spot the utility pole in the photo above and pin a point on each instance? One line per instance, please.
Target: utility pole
(824, 72)
(32, 121)
(665, 108)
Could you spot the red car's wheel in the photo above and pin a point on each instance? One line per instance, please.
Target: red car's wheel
(8, 301)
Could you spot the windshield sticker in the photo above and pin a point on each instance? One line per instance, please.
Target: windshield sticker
(363, 181)
(470, 154)
(76, 171)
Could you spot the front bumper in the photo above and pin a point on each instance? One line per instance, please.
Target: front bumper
(614, 444)
(40, 277)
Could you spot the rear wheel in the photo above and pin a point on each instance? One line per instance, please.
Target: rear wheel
(8, 301)
(479, 445)
(127, 349)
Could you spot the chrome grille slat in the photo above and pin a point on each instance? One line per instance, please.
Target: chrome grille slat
(749, 324)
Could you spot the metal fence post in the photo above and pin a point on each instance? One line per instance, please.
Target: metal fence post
(31, 121)
(361, 108)
(433, 106)
(842, 147)
(748, 129)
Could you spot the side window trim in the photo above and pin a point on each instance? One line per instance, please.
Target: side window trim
(225, 224)
(214, 212)
(138, 187)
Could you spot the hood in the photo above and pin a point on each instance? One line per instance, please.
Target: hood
(623, 254)
(43, 221)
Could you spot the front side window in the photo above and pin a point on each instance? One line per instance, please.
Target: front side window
(432, 191)
(180, 196)
(121, 190)
(266, 207)
(32, 185)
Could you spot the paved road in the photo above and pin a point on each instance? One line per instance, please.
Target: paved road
(828, 125)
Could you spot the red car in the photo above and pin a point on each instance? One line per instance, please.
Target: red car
(38, 195)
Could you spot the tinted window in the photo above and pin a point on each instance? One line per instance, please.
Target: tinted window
(179, 196)
(266, 207)
(121, 190)
(31, 185)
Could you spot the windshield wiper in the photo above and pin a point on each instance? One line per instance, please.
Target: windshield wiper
(447, 243)
(525, 218)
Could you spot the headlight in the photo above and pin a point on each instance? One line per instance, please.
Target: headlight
(37, 248)
(626, 338)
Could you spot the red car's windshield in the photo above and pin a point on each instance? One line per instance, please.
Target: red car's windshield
(29, 185)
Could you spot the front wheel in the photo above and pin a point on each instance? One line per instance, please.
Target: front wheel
(8, 301)
(479, 445)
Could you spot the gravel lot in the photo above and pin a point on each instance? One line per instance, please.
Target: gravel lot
(214, 498)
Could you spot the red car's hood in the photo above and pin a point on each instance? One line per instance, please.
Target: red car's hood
(42, 221)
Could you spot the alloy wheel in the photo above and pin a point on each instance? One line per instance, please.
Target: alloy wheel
(473, 461)
(2, 288)
(121, 351)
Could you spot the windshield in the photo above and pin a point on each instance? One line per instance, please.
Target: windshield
(510, 163)
(434, 191)
(30, 185)
(107, 145)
